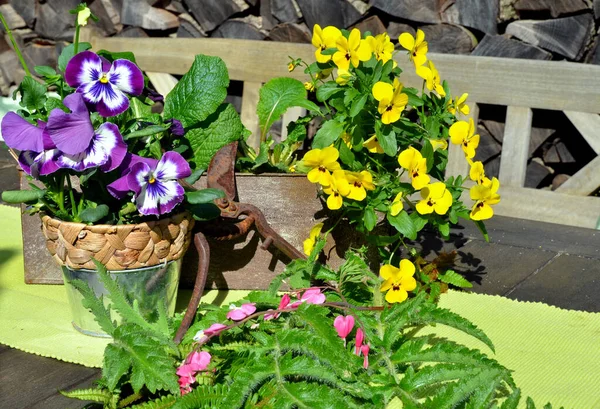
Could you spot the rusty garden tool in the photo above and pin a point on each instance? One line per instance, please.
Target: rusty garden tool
(236, 220)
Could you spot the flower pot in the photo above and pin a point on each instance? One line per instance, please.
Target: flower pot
(144, 259)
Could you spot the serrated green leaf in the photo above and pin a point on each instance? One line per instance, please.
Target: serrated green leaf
(116, 365)
(452, 277)
(276, 96)
(219, 129)
(68, 52)
(199, 92)
(404, 224)
(89, 394)
(327, 134)
(93, 214)
(95, 305)
(22, 196)
(458, 392)
(33, 94)
(204, 196)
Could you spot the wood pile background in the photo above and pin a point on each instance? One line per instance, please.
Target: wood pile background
(531, 29)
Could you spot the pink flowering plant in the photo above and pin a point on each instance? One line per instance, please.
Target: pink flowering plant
(95, 148)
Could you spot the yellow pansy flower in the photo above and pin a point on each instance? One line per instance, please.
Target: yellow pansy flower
(321, 162)
(309, 244)
(432, 78)
(439, 144)
(398, 281)
(382, 47)
(309, 86)
(83, 16)
(359, 184)
(412, 160)
(436, 198)
(463, 133)
(338, 187)
(416, 46)
(373, 145)
(343, 76)
(396, 206)
(324, 39)
(291, 67)
(391, 101)
(459, 104)
(477, 173)
(351, 50)
(485, 195)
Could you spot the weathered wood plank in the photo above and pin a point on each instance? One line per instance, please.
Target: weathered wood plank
(585, 181)
(515, 147)
(248, 115)
(163, 83)
(588, 126)
(457, 164)
(555, 85)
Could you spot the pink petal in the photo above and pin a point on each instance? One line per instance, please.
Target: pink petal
(360, 336)
(214, 329)
(285, 300)
(249, 308)
(198, 361)
(343, 325)
(313, 296)
(365, 351)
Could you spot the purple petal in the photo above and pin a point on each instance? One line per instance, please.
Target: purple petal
(72, 133)
(92, 157)
(154, 95)
(126, 76)
(20, 134)
(108, 99)
(76, 104)
(119, 188)
(36, 164)
(26, 159)
(159, 197)
(172, 166)
(176, 127)
(83, 68)
(109, 137)
(137, 178)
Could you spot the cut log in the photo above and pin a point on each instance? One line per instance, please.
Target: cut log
(176, 6)
(26, 9)
(495, 128)
(558, 180)
(566, 36)
(501, 46)
(422, 11)
(481, 15)
(337, 13)
(141, 14)
(24, 36)
(132, 32)
(238, 29)
(52, 24)
(449, 39)
(13, 19)
(557, 152)
(536, 173)
(372, 24)
(109, 20)
(291, 33)
(211, 13)
(488, 146)
(284, 11)
(361, 5)
(10, 68)
(189, 28)
(538, 137)
(593, 56)
(596, 9)
(492, 168)
(556, 8)
(395, 29)
(39, 53)
(268, 21)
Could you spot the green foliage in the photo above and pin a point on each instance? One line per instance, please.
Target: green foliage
(93, 214)
(204, 195)
(22, 196)
(96, 306)
(68, 52)
(451, 277)
(33, 94)
(328, 133)
(199, 92)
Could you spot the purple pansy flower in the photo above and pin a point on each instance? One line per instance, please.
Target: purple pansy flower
(102, 84)
(119, 188)
(38, 152)
(156, 189)
(176, 127)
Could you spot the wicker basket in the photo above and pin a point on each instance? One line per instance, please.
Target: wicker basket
(118, 247)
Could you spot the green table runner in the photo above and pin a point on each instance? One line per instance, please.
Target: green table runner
(554, 353)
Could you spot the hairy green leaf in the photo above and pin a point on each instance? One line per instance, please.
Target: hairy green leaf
(89, 394)
(199, 92)
(33, 94)
(452, 277)
(512, 401)
(22, 196)
(95, 305)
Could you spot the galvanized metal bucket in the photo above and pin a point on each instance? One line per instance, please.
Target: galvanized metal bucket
(147, 287)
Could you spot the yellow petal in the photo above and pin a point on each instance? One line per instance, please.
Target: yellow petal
(330, 36)
(436, 190)
(320, 57)
(443, 204)
(364, 51)
(317, 36)
(386, 285)
(424, 72)
(407, 41)
(357, 193)
(481, 211)
(394, 296)
(316, 230)
(477, 173)
(407, 268)
(329, 156)
(420, 37)
(409, 156)
(334, 201)
(312, 158)
(383, 90)
(314, 175)
(458, 132)
(388, 271)
(420, 181)
(339, 58)
(419, 60)
(308, 245)
(408, 283)
(423, 207)
(354, 39)
(396, 208)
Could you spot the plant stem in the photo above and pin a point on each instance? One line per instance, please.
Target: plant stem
(76, 40)
(72, 198)
(61, 193)
(15, 46)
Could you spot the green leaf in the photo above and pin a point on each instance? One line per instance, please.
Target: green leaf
(95, 305)
(358, 105)
(33, 94)
(404, 224)
(452, 277)
(53, 103)
(199, 92)
(116, 365)
(325, 91)
(204, 196)
(90, 394)
(276, 96)
(204, 211)
(219, 129)
(93, 214)
(386, 138)
(196, 174)
(481, 226)
(22, 196)
(512, 402)
(68, 52)
(329, 132)
(427, 152)
(370, 218)
(329, 51)
(44, 71)
(346, 154)
(111, 56)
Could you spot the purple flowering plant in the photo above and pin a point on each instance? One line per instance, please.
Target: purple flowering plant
(96, 147)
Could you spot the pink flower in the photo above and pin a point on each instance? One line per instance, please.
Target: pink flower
(238, 314)
(195, 362)
(343, 326)
(360, 336)
(198, 361)
(285, 300)
(311, 296)
(365, 351)
(215, 329)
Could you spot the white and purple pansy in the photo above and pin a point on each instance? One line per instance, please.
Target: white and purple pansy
(156, 188)
(119, 188)
(102, 84)
(38, 152)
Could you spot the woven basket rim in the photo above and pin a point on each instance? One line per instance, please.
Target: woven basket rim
(103, 228)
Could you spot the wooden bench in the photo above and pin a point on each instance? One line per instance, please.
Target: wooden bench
(521, 85)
